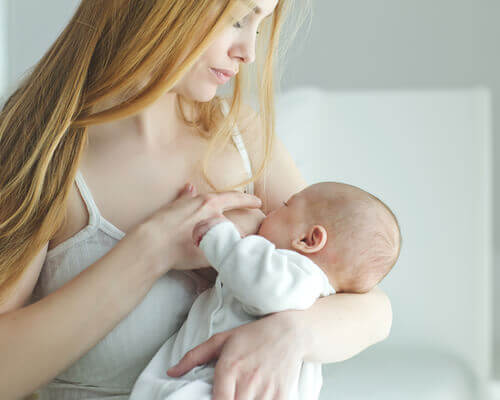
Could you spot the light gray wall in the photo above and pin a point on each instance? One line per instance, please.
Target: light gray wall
(33, 26)
(3, 48)
(353, 44)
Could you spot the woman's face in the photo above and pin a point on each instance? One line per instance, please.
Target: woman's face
(221, 61)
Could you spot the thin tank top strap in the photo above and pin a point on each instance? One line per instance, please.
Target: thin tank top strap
(94, 214)
(240, 145)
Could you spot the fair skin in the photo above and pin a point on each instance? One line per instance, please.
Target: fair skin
(132, 160)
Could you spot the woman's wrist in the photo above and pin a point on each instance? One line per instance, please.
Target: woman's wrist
(141, 250)
(301, 337)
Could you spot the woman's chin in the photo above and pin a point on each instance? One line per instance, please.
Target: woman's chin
(203, 95)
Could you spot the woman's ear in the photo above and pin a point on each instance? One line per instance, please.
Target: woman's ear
(312, 241)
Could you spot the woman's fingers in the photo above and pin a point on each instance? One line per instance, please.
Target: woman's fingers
(188, 188)
(212, 204)
(232, 200)
(255, 361)
(225, 386)
(248, 385)
(268, 392)
(201, 354)
(202, 227)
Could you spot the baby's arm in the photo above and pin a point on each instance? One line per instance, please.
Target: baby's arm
(262, 277)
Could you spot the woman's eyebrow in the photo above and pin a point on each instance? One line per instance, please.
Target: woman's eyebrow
(258, 11)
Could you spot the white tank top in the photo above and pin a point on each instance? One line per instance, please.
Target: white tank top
(110, 369)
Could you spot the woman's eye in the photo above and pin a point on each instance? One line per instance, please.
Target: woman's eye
(285, 203)
(238, 25)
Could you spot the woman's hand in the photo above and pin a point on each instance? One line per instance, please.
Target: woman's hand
(260, 360)
(165, 238)
(246, 220)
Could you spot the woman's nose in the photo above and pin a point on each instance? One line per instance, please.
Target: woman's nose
(245, 50)
(249, 56)
(246, 57)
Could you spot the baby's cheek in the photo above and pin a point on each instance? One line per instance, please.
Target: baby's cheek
(268, 229)
(247, 220)
(262, 227)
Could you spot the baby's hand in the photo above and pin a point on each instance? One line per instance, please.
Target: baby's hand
(202, 227)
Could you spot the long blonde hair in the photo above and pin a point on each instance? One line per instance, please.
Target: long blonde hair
(105, 50)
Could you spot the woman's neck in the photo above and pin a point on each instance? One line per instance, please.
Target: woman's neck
(158, 124)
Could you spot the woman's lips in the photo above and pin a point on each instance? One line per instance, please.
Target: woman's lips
(222, 76)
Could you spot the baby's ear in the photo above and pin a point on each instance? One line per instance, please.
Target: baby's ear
(312, 241)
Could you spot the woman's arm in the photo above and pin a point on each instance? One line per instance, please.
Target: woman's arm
(39, 341)
(338, 327)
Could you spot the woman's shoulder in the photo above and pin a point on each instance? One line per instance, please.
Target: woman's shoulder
(281, 177)
(249, 125)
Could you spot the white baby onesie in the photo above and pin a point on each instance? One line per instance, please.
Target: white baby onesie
(254, 279)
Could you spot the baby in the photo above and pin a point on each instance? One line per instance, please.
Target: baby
(328, 238)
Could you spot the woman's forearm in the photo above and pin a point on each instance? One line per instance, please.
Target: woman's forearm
(340, 326)
(41, 340)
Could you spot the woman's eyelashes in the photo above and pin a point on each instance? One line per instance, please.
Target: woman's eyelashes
(238, 25)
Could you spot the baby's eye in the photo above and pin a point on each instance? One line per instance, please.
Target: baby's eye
(285, 203)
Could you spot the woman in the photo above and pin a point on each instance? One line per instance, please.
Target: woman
(112, 122)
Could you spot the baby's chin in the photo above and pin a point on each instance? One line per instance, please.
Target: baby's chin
(264, 234)
(260, 232)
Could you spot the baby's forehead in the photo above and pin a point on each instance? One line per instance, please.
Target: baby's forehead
(330, 191)
(330, 199)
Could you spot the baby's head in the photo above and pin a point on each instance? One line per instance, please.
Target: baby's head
(349, 233)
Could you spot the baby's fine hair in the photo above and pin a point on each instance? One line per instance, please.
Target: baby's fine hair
(365, 234)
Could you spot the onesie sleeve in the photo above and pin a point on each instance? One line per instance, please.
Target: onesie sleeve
(263, 278)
